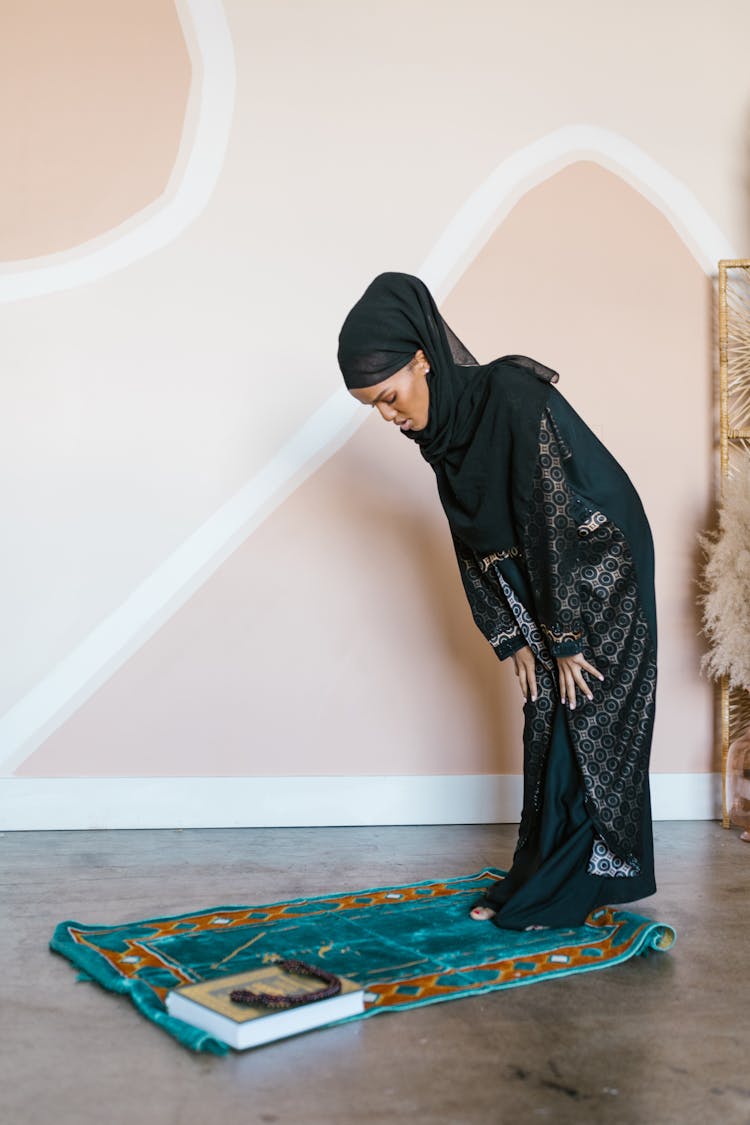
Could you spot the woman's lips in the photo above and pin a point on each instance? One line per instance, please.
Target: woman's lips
(405, 425)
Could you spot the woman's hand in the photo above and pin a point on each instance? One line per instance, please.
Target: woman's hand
(525, 666)
(570, 670)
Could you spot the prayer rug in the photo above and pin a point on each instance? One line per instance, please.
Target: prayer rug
(408, 945)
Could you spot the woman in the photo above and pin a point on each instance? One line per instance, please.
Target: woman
(556, 557)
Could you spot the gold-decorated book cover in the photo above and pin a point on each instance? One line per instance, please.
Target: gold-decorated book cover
(208, 1005)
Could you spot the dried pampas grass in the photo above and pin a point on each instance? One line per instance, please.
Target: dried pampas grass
(726, 585)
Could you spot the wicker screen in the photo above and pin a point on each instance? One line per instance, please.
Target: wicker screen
(734, 440)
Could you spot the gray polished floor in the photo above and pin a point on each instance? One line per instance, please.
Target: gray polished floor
(658, 1039)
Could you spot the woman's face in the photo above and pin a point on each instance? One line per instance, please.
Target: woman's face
(404, 397)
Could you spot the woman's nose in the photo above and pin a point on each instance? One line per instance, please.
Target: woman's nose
(387, 411)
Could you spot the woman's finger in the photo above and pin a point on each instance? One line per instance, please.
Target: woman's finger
(532, 678)
(578, 677)
(570, 687)
(590, 668)
(528, 665)
(561, 680)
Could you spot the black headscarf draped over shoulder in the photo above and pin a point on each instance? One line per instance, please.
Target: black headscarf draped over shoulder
(481, 436)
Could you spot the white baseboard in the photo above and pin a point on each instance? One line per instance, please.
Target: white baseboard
(77, 803)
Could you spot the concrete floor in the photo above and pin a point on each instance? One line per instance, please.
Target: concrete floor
(659, 1039)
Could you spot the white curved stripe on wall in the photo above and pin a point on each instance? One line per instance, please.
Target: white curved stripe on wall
(200, 158)
(485, 208)
(119, 635)
(154, 600)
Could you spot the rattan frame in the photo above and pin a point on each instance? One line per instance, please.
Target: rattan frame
(734, 448)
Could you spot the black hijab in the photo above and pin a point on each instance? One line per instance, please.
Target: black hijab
(481, 436)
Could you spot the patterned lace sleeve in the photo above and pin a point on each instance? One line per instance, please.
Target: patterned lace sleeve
(552, 544)
(490, 611)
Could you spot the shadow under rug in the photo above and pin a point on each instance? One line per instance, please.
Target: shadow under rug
(408, 945)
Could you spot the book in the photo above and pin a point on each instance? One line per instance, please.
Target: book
(208, 1005)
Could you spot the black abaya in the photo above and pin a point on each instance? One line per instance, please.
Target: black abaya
(555, 552)
(562, 869)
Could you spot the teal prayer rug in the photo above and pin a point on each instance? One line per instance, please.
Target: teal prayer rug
(408, 945)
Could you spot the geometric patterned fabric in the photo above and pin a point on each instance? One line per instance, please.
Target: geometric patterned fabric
(583, 595)
(409, 944)
(596, 589)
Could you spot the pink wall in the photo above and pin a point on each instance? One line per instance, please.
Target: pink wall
(337, 640)
(93, 102)
(194, 193)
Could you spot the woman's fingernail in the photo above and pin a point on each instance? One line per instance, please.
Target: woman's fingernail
(601, 677)
(589, 697)
(533, 699)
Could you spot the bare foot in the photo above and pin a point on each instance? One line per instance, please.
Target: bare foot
(482, 913)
